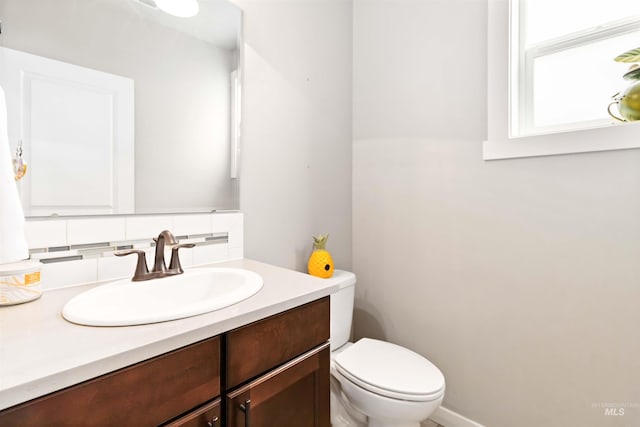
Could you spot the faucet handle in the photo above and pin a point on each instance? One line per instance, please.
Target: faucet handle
(142, 271)
(174, 265)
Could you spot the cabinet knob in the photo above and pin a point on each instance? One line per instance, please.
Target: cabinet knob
(213, 422)
(246, 408)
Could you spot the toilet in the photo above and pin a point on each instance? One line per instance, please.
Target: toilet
(375, 383)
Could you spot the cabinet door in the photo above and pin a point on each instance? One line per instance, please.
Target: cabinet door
(295, 394)
(207, 415)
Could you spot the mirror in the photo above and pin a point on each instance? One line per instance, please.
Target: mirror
(563, 72)
(133, 111)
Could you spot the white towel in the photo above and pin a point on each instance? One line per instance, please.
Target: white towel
(13, 246)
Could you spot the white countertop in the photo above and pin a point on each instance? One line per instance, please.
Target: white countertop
(40, 352)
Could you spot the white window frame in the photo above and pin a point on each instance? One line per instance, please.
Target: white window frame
(523, 117)
(501, 143)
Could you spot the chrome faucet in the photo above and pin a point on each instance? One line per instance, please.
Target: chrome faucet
(159, 266)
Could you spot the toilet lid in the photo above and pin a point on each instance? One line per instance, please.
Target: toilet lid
(390, 370)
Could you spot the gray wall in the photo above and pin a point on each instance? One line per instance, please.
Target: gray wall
(520, 279)
(181, 91)
(296, 154)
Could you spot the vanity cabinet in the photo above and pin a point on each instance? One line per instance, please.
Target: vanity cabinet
(145, 394)
(277, 370)
(273, 372)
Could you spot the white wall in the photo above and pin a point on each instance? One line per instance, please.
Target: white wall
(520, 279)
(296, 155)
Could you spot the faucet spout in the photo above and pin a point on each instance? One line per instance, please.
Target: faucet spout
(164, 238)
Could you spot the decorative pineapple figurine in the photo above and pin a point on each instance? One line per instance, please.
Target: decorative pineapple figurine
(320, 262)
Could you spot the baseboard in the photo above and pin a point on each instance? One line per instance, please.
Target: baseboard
(448, 418)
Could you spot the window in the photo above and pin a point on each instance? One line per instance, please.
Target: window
(562, 72)
(504, 139)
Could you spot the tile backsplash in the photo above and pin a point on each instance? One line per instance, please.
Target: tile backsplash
(84, 246)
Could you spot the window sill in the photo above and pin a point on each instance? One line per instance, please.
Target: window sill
(618, 137)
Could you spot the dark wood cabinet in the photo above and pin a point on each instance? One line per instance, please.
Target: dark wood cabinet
(148, 393)
(208, 415)
(261, 346)
(273, 372)
(294, 394)
(277, 370)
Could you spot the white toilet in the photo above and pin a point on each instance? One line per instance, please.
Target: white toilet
(375, 383)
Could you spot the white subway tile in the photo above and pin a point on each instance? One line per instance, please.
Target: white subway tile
(113, 267)
(48, 233)
(144, 245)
(191, 224)
(210, 253)
(186, 257)
(45, 233)
(232, 223)
(95, 230)
(147, 227)
(236, 253)
(68, 273)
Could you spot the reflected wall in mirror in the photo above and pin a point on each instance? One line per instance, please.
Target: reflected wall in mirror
(562, 70)
(122, 108)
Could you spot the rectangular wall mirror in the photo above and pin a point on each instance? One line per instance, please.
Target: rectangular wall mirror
(120, 107)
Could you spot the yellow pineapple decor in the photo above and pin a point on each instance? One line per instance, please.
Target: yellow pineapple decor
(320, 262)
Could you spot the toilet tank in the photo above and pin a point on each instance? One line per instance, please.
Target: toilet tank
(342, 307)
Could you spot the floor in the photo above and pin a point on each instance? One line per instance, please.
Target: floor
(430, 423)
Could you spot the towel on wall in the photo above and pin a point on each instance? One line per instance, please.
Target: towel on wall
(13, 246)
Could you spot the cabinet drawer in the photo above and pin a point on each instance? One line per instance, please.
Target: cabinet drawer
(146, 394)
(258, 347)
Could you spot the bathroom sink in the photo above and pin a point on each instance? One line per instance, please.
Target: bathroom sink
(196, 291)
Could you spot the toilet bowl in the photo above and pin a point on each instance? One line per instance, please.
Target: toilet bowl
(376, 383)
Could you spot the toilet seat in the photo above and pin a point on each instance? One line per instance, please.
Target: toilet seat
(390, 370)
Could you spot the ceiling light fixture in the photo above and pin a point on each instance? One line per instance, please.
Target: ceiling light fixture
(180, 8)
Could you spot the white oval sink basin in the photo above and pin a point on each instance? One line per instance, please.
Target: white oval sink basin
(196, 291)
